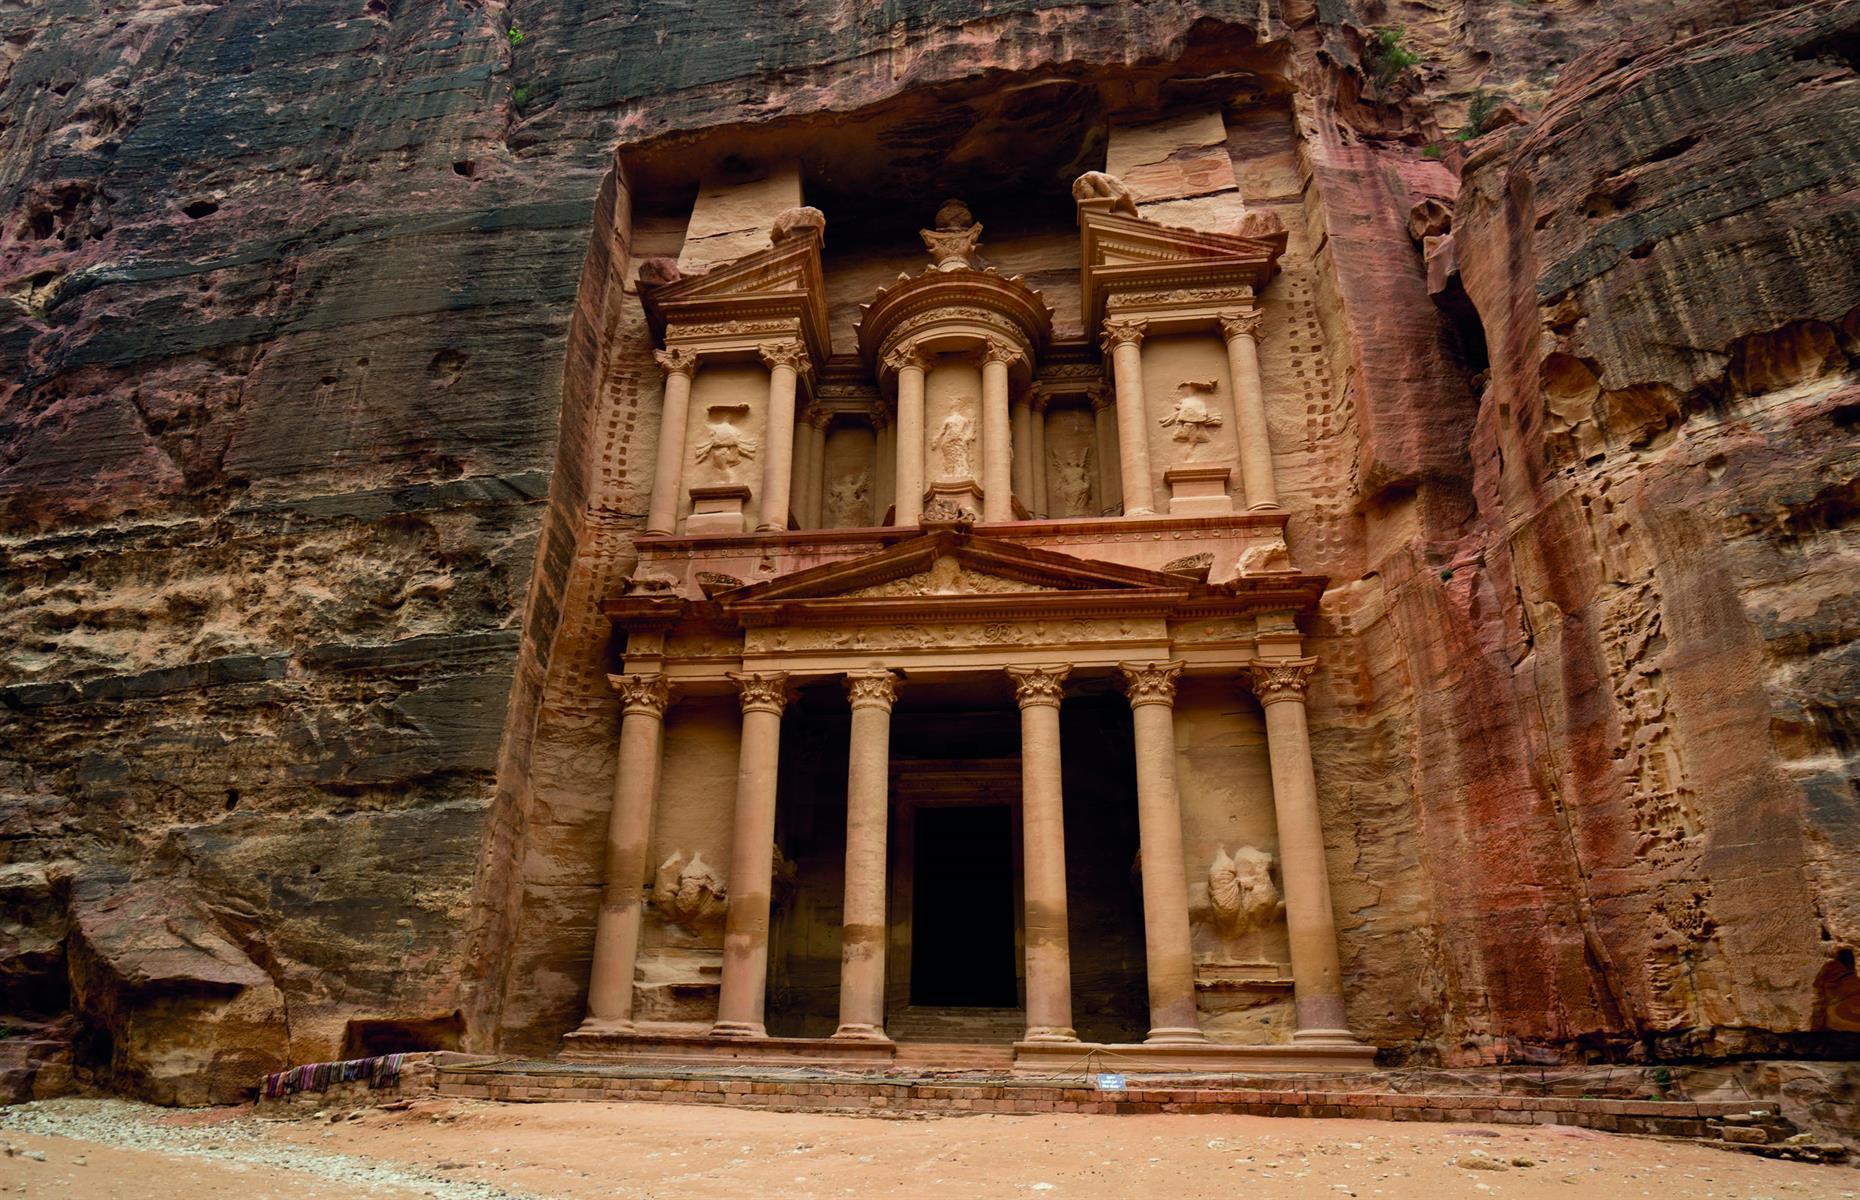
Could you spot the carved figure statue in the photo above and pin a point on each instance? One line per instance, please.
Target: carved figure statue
(1192, 417)
(1072, 480)
(1096, 185)
(724, 445)
(849, 500)
(953, 441)
(651, 583)
(1266, 558)
(1241, 892)
(688, 891)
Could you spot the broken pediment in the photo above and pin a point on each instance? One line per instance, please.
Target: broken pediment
(780, 289)
(948, 563)
(1128, 259)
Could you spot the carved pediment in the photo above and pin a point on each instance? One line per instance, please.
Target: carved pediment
(947, 563)
(780, 289)
(1126, 254)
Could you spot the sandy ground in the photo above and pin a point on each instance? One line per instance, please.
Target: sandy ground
(479, 1151)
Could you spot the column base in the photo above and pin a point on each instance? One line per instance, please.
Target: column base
(1139, 512)
(595, 1025)
(1325, 1037)
(860, 1033)
(739, 1029)
(1274, 507)
(1167, 1035)
(1049, 1034)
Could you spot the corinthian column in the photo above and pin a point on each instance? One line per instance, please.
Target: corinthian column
(752, 850)
(1043, 848)
(1124, 338)
(885, 465)
(786, 361)
(636, 790)
(1242, 333)
(1040, 503)
(997, 434)
(813, 430)
(868, 808)
(1317, 975)
(1167, 950)
(1104, 423)
(806, 467)
(668, 470)
(1023, 442)
(907, 362)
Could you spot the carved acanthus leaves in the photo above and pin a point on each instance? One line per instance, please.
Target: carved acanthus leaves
(792, 355)
(875, 688)
(1241, 324)
(675, 360)
(642, 693)
(1039, 685)
(1152, 682)
(907, 357)
(1000, 350)
(1275, 679)
(1123, 331)
(761, 691)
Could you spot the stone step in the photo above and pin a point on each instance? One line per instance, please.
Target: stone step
(980, 1026)
(956, 1055)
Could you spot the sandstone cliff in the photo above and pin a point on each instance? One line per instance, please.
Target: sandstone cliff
(296, 451)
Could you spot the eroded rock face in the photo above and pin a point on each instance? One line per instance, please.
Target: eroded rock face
(294, 401)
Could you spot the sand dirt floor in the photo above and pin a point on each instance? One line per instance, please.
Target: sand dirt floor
(471, 1150)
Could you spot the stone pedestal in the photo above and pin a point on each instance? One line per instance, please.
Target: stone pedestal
(717, 509)
(1198, 491)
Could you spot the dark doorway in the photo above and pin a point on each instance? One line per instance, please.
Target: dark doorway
(962, 907)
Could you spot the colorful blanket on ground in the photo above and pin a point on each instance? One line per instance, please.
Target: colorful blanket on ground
(380, 1071)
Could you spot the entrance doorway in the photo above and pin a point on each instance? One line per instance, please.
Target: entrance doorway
(962, 907)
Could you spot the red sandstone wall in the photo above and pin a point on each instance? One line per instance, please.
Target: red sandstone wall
(300, 384)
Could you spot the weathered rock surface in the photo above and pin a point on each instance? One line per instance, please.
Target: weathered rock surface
(291, 406)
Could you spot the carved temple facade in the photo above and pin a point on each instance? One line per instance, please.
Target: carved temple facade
(963, 670)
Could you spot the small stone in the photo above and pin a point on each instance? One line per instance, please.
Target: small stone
(1522, 1161)
(1474, 1162)
(34, 1155)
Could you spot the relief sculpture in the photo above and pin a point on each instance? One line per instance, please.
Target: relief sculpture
(849, 500)
(1072, 472)
(1241, 892)
(725, 445)
(689, 892)
(954, 444)
(1192, 417)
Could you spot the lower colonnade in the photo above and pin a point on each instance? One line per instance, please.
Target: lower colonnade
(1175, 1039)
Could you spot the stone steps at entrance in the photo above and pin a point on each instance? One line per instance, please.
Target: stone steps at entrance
(956, 1026)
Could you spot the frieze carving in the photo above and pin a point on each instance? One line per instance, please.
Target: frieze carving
(713, 582)
(876, 688)
(1241, 892)
(1123, 331)
(944, 511)
(1039, 685)
(946, 577)
(945, 314)
(950, 635)
(760, 691)
(1234, 325)
(1152, 682)
(1275, 679)
(1197, 565)
(675, 360)
(717, 328)
(1192, 417)
(1180, 296)
(642, 693)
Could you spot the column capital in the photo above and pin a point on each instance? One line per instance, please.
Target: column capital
(645, 693)
(1124, 331)
(1235, 323)
(901, 358)
(880, 413)
(1100, 397)
(1151, 682)
(1277, 679)
(676, 360)
(761, 691)
(817, 416)
(1000, 350)
(792, 355)
(873, 688)
(1039, 685)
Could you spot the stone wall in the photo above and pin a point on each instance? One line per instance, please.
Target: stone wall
(321, 433)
